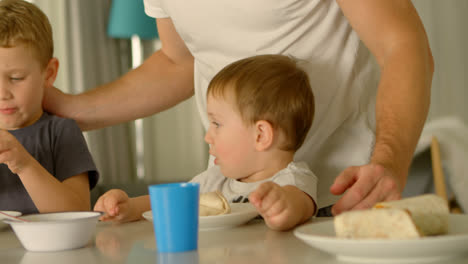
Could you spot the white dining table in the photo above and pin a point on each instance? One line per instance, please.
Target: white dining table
(134, 242)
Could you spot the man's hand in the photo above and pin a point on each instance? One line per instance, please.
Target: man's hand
(55, 101)
(364, 186)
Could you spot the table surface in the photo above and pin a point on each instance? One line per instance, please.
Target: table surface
(134, 243)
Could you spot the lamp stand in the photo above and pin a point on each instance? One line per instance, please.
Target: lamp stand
(137, 60)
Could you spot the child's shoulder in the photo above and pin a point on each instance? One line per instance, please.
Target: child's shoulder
(53, 125)
(48, 124)
(57, 121)
(295, 169)
(54, 118)
(298, 166)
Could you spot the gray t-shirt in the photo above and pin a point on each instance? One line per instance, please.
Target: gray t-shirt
(296, 173)
(59, 146)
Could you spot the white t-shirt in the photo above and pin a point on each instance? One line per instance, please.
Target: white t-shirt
(342, 72)
(296, 173)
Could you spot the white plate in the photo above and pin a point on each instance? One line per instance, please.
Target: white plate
(240, 214)
(13, 213)
(454, 244)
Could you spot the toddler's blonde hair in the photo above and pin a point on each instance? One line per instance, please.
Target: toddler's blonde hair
(271, 88)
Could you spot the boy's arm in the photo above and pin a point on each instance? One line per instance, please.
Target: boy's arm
(118, 207)
(47, 192)
(140, 205)
(51, 195)
(282, 207)
(162, 81)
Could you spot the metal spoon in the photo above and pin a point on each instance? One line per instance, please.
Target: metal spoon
(13, 218)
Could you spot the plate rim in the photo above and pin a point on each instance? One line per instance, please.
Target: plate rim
(250, 207)
(324, 242)
(11, 212)
(250, 211)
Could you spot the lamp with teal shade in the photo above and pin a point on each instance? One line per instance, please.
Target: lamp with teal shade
(128, 20)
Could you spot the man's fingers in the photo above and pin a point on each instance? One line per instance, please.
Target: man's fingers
(365, 181)
(346, 179)
(368, 201)
(374, 184)
(386, 190)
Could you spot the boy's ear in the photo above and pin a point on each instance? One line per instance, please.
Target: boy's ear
(264, 135)
(51, 72)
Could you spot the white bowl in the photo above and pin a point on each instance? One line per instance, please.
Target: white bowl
(2, 217)
(55, 231)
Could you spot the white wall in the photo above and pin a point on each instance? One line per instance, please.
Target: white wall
(446, 25)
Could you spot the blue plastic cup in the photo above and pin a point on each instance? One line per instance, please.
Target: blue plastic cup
(189, 257)
(175, 216)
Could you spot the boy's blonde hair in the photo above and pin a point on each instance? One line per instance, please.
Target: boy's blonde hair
(271, 88)
(24, 23)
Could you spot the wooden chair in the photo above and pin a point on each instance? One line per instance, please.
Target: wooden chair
(439, 177)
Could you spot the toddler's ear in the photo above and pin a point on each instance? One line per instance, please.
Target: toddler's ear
(264, 135)
(51, 72)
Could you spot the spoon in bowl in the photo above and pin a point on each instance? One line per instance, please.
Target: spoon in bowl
(13, 218)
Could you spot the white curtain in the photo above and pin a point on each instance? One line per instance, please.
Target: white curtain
(174, 147)
(445, 23)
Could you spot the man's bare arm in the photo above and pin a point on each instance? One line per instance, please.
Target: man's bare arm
(393, 32)
(162, 81)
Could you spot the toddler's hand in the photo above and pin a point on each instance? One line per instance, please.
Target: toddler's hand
(116, 206)
(272, 203)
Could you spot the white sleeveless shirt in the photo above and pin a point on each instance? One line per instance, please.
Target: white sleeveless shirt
(343, 74)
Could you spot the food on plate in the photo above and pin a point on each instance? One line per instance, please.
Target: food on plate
(429, 212)
(213, 203)
(413, 217)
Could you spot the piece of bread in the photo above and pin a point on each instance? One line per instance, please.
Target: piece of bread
(407, 218)
(213, 203)
(391, 223)
(429, 212)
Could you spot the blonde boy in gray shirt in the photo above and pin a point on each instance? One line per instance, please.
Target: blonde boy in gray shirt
(45, 164)
(260, 110)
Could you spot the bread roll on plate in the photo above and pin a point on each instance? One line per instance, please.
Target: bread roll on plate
(213, 203)
(413, 217)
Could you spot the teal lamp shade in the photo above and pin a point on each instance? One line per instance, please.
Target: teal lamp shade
(128, 18)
